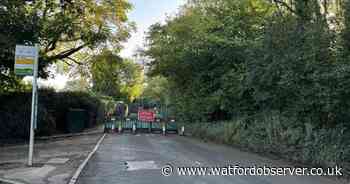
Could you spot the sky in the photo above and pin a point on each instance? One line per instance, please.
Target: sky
(144, 14)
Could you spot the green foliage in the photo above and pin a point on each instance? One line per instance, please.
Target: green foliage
(116, 77)
(12, 84)
(77, 84)
(63, 28)
(109, 104)
(239, 58)
(52, 112)
(157, 90)
(197, 49)
(280, 68)
(271, 134)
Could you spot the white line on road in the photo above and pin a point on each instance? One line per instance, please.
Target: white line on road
(76, 175)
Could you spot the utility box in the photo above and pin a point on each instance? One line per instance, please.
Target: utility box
(76, 119)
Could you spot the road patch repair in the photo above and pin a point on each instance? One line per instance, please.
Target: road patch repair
(55, 161)
(141, 165)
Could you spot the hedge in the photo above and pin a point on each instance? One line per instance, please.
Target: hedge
(15, 112)
(304, 143)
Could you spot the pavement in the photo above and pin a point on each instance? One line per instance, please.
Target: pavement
(138, 159)
(55, 159)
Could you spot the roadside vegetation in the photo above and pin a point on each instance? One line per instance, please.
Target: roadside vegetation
(53, 108)
(273, 76)
(79, 39)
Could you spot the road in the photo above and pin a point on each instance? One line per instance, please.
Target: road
(138, 159)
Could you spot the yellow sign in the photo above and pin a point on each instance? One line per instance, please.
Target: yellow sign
(24, 61)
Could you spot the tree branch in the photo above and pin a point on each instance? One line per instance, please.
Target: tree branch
(75, 61)
(286, 5)
(69, 64)
(67, 53)
(51, 45)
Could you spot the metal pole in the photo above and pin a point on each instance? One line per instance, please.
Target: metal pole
(36, 110)
(33, 114)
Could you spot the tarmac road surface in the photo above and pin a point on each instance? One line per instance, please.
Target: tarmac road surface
(139, 159)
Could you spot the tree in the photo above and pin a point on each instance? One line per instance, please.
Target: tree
(205, 42)
(63, 28)
(226, 59)
(157, 89)
(77, 84)
(116, 77)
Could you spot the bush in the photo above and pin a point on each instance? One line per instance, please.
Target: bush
(15, 112)
(303, 143)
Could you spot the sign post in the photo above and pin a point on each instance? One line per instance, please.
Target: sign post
(26, 63)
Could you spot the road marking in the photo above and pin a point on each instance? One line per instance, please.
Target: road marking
(76, 175)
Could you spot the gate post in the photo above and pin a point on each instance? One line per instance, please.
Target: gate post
(182, 132)
(163, 128)
(120, 129)
(112, 124)
(133, 128)
(150, 127)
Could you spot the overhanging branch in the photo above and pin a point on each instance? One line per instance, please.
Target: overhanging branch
(67, 53)
(75, 61)
(286, 5)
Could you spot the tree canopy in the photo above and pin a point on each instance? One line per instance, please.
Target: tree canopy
(229, 58)
(63, 29)
(116, 77)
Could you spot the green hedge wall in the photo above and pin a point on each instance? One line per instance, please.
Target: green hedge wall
(15, 112)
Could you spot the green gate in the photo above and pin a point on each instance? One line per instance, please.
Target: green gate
(140, 126)
(131, 123)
